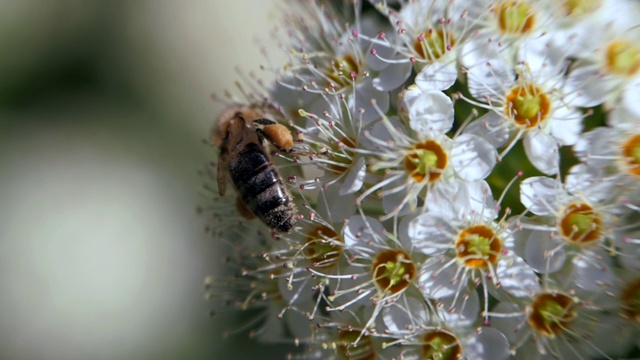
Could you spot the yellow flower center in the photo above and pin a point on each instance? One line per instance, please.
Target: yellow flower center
(426, 160)
(342, 72)
(321, 248)
(631, 152)
(579, 8)
(478, 246)
(440, 345)
(630, 300)
(515, 17)
(623, 57)
(393, 271)
(527, 105)
(434, 44)
(342, 156)
(363, 350)
(552, 314)
(580, 224)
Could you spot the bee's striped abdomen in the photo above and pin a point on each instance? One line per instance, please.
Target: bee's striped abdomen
(261, 188)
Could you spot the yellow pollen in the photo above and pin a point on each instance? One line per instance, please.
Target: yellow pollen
(434, 44)
(552, 314)
(320, 247)
(578, 8)
(623, 58)
(580, 224)
(342, 155)
(515, 17)
(630, 300)
(393, 270)
(440, 345)
(426, 160)
(631, 153)
(343, 72)
(527, 105)
(478, 246)
(363, 350)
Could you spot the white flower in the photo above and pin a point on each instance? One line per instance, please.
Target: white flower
(430, 32)
(552, 322)
(609, 60)
(568, 228)
(524, 101)
(423, 332)
(335, 65)
(401, 250)
(468, 251)
(335, 137)
(428, 166)
(380, 270)
(508, 22)
(611, 155)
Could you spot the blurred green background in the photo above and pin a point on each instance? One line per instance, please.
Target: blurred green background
(103, 108)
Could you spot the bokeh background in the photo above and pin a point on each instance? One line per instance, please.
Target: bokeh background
(103, 108)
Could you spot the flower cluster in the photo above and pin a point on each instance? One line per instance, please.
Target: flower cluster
(467, 179)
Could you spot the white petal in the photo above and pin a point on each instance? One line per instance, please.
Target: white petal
(517, 277)
(489, 344)
(396, 193)
(406, 314)
(459, 199)
(439, 75)
(630, 249)
(355, 177)
(403, 230)
(472, 157)
(463, 313)
(360, 232)
(588, 181)
(393, 76)
(631, 97)
(543, 60)
(431, 113)
(626, 117)
(487, 72)
(587, 87)
(542, 151)
(431, 235)
(379, 131)
(566, 125)
(407, 97)
(600, 142)
(436, 281)
(491, 127)
(385, 52)
(540, 194)
(508, 324)
(611, 336)
(334, 207)
(365, 92)
(591, 273)
(538, 252)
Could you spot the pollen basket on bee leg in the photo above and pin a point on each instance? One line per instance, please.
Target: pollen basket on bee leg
(279, 135)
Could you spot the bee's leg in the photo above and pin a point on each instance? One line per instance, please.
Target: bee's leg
(276, 134)
(221, 174)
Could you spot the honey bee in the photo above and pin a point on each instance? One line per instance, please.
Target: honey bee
(243, 136)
